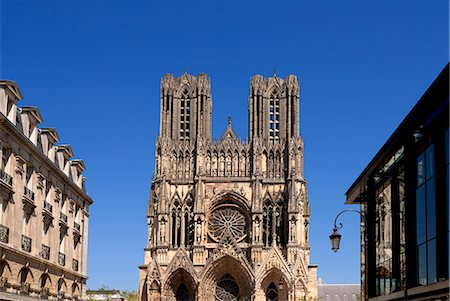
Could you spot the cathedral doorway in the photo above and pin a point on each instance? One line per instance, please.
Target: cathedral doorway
(180, 286)
(182, 293)
(227, 289)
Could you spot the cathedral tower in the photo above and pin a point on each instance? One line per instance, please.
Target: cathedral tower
(228, 219)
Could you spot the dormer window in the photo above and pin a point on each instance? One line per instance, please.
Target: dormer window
(185, 118)
(274, 117)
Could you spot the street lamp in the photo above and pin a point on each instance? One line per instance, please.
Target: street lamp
(335, 237)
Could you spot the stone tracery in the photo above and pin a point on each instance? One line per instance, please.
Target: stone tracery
(235, 209)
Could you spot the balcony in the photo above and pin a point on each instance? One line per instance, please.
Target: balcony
(47, 213)
(4, 234)
(28, 200)
(28, 193)
(26, 243)
(48, 207)
(45, 252)
(76, 226)
(5, 177)
(75, 265)
(6, 188)
(63, 218)
(62, 259)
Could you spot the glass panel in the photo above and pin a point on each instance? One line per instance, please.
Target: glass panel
(432, 277)
(429, 155)
(420, 215)
(422, 264)
(431, 209)
(420, 170)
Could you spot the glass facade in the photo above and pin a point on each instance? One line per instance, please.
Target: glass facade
(404, 194)
(426, 218)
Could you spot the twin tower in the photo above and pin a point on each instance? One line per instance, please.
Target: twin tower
(228, 219)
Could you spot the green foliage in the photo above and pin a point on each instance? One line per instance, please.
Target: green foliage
(130, 295)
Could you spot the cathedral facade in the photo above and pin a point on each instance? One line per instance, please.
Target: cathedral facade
(228, 219)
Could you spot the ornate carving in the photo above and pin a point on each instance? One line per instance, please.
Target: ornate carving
(227, 220)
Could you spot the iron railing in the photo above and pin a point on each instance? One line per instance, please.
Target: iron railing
(4, 234)
(48, 206)
(28, 193)
(26, 243)
(62, 259)
(76, 226)
(63, 217)
(25, 288)
(45, 252)
(5, 177)
(75, 265)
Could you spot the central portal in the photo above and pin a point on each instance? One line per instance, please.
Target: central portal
(227, 289)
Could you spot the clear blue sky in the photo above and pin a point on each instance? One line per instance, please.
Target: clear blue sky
(93, 68)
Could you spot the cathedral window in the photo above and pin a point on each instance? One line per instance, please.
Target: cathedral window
(227, 221)
(182, 226)
(274, 223)
(272, 292)
(274, 117)
(176, 224)
(188, 224)
(227, 289)
(185, 116)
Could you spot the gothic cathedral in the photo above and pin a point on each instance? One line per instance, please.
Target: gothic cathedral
(228, 219)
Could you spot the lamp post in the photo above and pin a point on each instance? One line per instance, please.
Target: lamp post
(335, 239)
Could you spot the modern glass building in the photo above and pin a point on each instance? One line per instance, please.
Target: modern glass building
(404, 195)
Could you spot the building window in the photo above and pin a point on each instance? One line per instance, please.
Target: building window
(385, 279)
(176, 224)
(274, 117)
(185, 116)
(274, 223)
(426, 218)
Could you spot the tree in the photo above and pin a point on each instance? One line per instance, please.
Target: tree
(130, 295)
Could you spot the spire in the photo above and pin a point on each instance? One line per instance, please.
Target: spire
(229, 121)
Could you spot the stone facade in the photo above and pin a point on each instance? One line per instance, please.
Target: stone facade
(43, 208)
(228, 219)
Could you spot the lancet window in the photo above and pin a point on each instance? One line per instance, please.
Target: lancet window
(185, 115)
(274, 221)
(182, 226)
(274, 117)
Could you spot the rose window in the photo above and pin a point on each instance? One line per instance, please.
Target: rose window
(226, 220)
(227, 289)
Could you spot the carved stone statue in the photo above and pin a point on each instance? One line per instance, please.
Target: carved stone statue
(162, 231)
